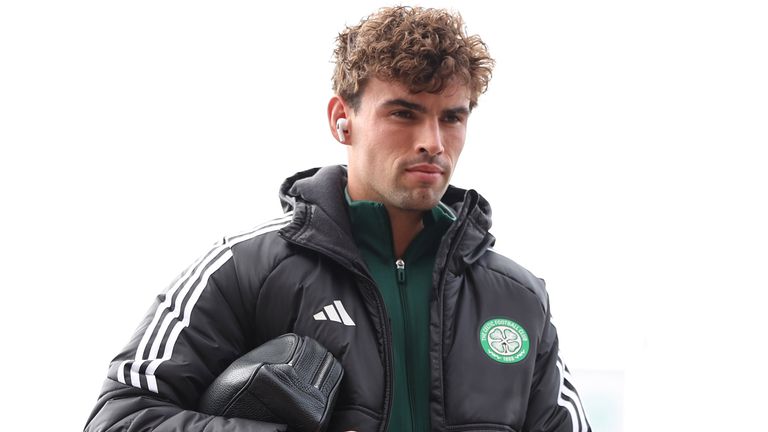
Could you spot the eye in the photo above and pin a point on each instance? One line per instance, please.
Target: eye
(404, 114)
(452, 118)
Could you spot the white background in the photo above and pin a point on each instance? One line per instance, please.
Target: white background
(621, 145)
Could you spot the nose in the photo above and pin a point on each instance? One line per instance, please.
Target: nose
(430, 139)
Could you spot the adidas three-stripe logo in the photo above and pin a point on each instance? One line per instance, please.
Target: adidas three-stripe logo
(335, 312)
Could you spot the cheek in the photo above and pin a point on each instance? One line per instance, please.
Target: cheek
(455, 146)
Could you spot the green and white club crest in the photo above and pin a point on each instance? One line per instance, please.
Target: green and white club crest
(504, 340)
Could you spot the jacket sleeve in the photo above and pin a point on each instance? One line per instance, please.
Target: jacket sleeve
(191, 334)
(554, 405)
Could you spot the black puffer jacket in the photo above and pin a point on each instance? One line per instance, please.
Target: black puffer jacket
(494, 353)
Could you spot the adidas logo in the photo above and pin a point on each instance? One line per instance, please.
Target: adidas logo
(335, 312)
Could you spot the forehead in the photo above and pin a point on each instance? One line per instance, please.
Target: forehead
(378, 92)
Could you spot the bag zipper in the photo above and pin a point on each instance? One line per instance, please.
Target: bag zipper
(323, 371)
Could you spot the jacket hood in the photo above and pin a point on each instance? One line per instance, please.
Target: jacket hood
(323, 190)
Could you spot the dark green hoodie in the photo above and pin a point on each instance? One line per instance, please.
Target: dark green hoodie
(405, 284)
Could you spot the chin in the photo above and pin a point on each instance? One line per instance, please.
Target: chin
(420, 200)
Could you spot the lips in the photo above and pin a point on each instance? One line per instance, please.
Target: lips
(425, 168)
(425, 174)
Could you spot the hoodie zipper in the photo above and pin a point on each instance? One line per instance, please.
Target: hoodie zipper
(401, 288)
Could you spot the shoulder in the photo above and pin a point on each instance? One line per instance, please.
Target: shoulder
(518, 275)
(262, 242)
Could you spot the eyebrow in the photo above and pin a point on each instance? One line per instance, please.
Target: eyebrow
(457, 111)
(405, 104)
(420, 108)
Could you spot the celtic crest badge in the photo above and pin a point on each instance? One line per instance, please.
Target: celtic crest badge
(504, 340)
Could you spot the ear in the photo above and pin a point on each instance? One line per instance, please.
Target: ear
(337, 109)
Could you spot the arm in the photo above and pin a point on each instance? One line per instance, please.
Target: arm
(191, 334)
(123, 408)
(554, 405)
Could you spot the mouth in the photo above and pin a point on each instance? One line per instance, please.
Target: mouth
(425, 168)
(425, 173)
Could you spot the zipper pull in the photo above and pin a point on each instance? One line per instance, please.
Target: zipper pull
(400, 266)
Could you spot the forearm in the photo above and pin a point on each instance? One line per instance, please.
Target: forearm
(123, 408)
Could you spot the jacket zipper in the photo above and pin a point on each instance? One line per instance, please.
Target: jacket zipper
(452, 245)
(388, 360)
(400, 270)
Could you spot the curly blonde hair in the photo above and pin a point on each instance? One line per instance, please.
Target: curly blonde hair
(424, 49)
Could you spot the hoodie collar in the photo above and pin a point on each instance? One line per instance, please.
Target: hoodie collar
(372, 228)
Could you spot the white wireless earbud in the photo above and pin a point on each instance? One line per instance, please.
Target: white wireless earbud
(341, 128)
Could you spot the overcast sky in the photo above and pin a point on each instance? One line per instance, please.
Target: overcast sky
(621, 145)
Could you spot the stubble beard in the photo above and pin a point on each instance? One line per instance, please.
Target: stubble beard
(421, 197)
(415, 199)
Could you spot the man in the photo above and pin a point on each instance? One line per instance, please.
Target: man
(382, 262)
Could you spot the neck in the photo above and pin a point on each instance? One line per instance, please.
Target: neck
(405, 225)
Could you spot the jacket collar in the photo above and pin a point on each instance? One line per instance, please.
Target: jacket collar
(321, 221)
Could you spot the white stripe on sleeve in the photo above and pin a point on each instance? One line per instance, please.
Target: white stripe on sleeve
(196, 292)
(574, 407)
(191, 284)
(575, 427)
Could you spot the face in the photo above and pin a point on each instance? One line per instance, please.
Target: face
(403, 147)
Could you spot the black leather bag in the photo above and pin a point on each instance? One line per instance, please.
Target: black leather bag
(291, 380)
